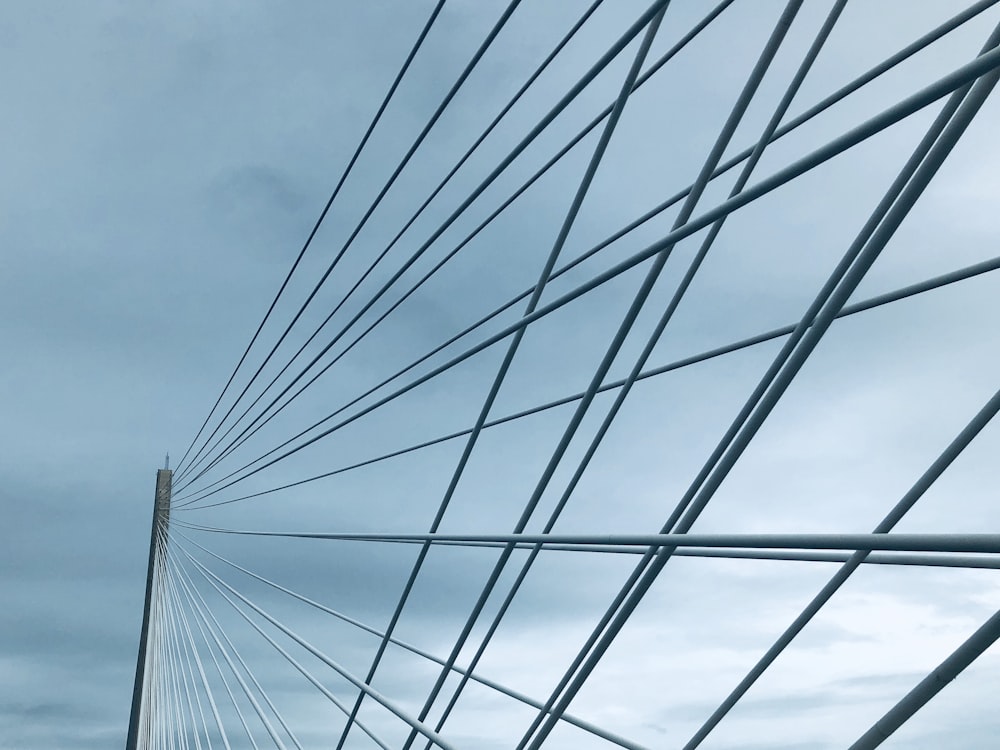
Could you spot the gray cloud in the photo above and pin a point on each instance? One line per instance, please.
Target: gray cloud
(164, 166)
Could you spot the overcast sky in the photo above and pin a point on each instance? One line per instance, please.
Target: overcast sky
(162, 166)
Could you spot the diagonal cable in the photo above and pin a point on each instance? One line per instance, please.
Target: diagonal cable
(477, 56)
(911, 290)
(902, 109)
(206, 618)
(319, 221)
(571, 95)
(909, 185)
(550, 262)
(377, 696)
(971, 649)
(739, 108)
(482, 137)
(812, 112)
(581, 723)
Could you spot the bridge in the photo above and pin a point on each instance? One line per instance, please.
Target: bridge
(598, 443)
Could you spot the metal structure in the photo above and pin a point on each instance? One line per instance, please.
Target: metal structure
(253, 431)
(139, 724)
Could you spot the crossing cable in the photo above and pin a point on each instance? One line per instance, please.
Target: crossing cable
(505, 16)
(895, 515)
(838, 145)
(482, 137)
(614, 347)
(568, 718)
(182, 575)
(863, 543)
(188, 673)
(970, 650)
(914, 177)
(527, 140)
(613, 350)
(859, 541)
(812, 112)
(703, 495)
(871, 303)
(256, 424)
(377, 696)
(203, 618)
(680, 45)
(807, 614)
(539, 127)
(512, 348)
(885, 119)
(288, 657)
(878, 70)
(336, 191)
(689, 516)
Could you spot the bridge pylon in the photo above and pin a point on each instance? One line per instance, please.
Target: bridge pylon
(161, 518)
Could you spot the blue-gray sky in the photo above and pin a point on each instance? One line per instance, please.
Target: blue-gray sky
(162, 166)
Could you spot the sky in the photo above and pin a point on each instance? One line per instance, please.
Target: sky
(163, 165)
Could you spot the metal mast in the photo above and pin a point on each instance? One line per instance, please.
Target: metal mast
(161, 517)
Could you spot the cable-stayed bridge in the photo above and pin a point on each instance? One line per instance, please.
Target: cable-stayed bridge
(533, 436)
